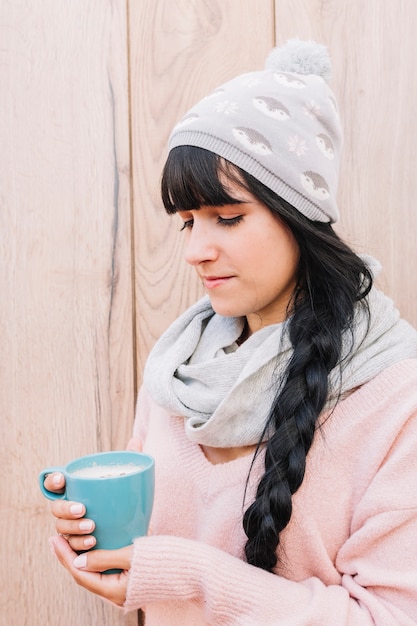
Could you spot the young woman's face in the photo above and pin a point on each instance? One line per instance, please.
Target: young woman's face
(245, 256)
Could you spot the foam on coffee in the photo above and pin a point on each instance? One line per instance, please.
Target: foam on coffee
(107, 471)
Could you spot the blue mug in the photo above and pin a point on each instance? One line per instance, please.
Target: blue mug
(117, 489)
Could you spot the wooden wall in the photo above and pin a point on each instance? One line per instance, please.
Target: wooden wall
(90, 266)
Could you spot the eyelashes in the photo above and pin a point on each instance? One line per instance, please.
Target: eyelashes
(223, 221)
(231, 221)
(187, 224)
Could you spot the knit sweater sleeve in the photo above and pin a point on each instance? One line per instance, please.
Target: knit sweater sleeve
(234, 593)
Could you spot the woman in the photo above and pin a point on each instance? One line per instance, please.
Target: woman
(281, 408)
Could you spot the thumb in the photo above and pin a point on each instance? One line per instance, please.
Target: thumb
(102, 560)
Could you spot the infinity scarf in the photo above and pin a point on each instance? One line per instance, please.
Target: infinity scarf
(224, 391)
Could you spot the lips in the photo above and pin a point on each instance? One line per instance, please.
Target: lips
(210, 282)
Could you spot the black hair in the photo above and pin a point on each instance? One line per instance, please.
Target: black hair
(332, 281)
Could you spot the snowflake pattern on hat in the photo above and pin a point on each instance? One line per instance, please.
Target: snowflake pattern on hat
(312, 109)
(227, 107)
(297, 145)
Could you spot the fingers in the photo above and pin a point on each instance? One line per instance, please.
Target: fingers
(55, 482)
(77, 533)
(72, 525)
(110, 586)
(70, 516)
(65, 509)
(102, 560)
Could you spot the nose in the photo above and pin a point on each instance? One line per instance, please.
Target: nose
(201, 245)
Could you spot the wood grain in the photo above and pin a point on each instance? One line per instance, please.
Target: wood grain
(66, 351)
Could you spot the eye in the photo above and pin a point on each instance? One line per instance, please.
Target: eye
(187, 224)
(231, 221)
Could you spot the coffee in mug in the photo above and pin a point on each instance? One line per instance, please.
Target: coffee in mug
(106, 471)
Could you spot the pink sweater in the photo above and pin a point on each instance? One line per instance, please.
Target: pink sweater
(349, 553)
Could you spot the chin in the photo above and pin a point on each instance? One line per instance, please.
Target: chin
(225, 310)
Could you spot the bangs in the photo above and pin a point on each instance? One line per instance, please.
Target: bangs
(194, 177)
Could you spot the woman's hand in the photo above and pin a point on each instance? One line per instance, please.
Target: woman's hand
(70, 521)
(86, 569)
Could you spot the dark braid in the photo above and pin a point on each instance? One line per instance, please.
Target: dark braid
(332, 280)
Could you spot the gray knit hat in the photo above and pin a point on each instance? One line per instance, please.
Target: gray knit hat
(281, 125)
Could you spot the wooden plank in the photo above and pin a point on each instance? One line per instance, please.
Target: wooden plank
(66, 354)
(179, 51)
(373, 48)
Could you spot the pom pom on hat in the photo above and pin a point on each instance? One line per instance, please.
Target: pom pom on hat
(300, 57)
(279, 124)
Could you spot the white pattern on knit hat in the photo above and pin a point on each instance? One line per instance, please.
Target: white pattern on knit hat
(280, 125)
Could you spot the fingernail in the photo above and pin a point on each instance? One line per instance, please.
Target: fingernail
(86, 525)
(80, 561)
(89, 542)
(57, 480)
(76, 509)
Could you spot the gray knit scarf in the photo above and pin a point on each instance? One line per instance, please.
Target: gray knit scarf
(224, 390)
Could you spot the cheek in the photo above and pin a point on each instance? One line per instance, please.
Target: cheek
(282, 247)
(281, 259)
(292, 258)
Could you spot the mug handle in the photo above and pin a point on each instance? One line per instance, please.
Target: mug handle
(51, 495)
